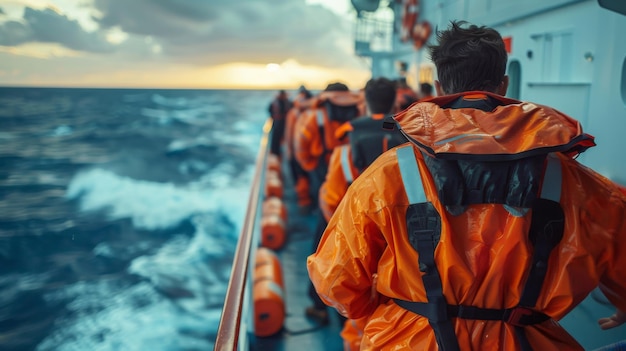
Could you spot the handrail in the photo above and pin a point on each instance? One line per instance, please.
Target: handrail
(230, 322)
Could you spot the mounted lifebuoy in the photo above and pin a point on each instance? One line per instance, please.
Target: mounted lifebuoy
(268, 293)
(410, 13)
(421, 33)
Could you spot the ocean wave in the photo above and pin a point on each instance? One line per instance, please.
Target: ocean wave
(150, 205)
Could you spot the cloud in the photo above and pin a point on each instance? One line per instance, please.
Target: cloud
(48, 26)
(218, 31)
(195, 43)
(197, 32)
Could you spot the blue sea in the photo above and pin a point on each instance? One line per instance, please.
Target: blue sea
(119, 214)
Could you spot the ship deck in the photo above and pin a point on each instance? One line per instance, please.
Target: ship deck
(299, 332)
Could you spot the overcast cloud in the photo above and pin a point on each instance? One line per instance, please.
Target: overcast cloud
(195, 31)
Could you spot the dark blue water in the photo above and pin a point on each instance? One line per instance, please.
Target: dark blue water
(119, 214)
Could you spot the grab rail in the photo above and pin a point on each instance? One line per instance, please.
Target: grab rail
(229, 330)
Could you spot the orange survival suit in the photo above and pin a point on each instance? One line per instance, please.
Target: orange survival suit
(367, 139)
(315, 138)
(475, 231)
(299, 176)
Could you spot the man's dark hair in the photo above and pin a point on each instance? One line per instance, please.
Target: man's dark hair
(336, 87)
(380, 95)
(472, 58)
(426, 89)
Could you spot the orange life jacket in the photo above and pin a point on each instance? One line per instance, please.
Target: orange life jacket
(315, 139)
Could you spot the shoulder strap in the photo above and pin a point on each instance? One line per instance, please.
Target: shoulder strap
(410, 175)
(424, 230)
(320, 118)
(345, 165)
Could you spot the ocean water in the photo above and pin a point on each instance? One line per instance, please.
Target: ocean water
(119, 214)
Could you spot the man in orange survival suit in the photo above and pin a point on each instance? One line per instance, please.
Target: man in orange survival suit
(278, 109)
(315, 138)
(314, 142)
(299, 176)
(483, 231)
(367, 139)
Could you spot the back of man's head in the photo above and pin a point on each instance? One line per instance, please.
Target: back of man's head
(469, 58)
(336, 87)
(426, 89)
(380, 95)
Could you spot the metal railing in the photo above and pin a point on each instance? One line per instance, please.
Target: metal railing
(230, 333)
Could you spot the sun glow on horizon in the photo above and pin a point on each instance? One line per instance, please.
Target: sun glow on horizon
(272, 67)
(235, 75)
(288, 74)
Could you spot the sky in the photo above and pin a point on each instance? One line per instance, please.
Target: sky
(221, 44)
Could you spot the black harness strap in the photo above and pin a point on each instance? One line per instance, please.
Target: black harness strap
(546, 231)
(518, 316)
(424, 230)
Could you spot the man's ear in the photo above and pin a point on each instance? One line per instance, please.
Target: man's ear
(440, 92)
(503, 86)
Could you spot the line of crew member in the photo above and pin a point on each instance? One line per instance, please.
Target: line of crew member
(318, 126)
(366, 138)
(314, 141)
(315, 138)
(483, 230)
(300, 177)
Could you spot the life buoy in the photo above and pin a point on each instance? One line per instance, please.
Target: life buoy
(273, 163)
(410, 13)
(268, 294)
(274, 205)
(272, 231)
(273, 184)
(421, 33)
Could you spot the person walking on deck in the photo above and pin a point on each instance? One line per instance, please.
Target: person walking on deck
(483, 231)
(299, 176)
(315, 138)
(278, 109)
(367, 138)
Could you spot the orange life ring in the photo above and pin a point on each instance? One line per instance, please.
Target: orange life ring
(274, 205)
(410, 13)
(421, 33)
(268, 294)
(273, 233)
(273, 184)
(273, 163)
